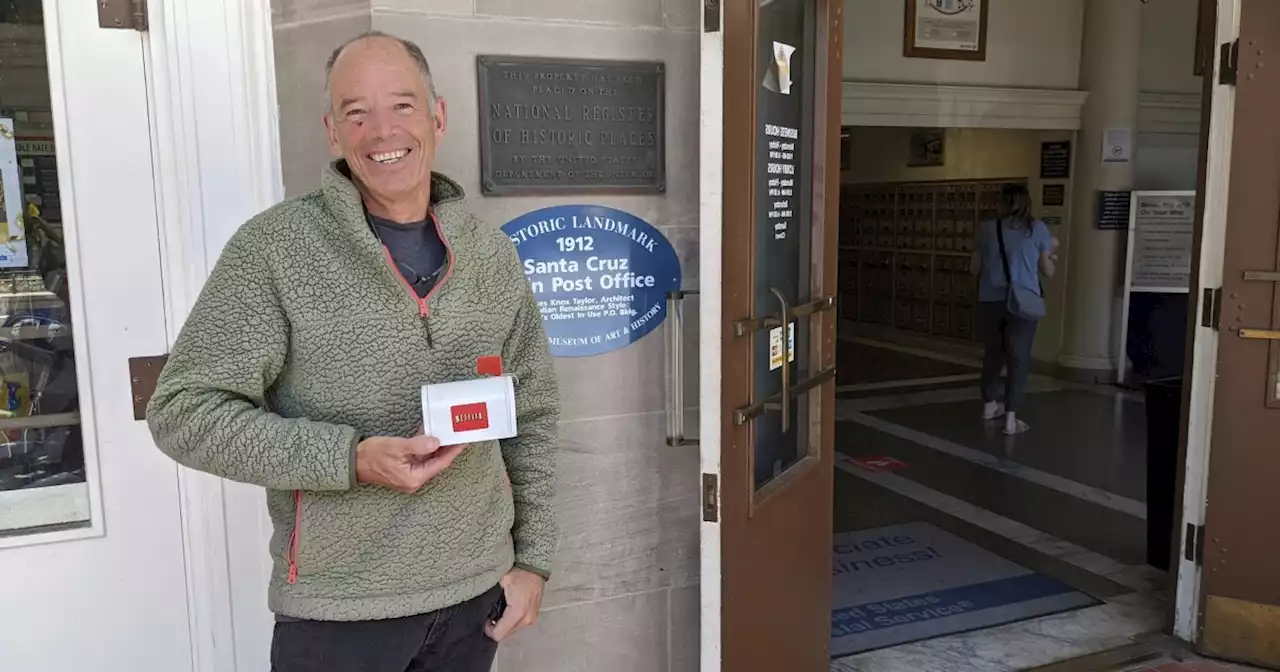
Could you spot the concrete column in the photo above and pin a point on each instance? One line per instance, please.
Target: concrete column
(1109, 72)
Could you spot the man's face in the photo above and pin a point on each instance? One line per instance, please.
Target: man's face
(382, 122)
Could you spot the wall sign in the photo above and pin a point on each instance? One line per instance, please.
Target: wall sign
(571, 126)
(1054, 194)
(601, 275)
(1055, 160)
(1113, 210)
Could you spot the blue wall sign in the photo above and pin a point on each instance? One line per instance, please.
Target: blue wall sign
(600, 275)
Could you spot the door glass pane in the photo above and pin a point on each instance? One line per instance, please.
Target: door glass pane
(42, 471)
(784, 218)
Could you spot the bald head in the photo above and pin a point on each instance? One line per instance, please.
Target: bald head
(379, 41)
(384, 121)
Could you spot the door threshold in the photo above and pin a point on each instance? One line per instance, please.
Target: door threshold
(1148, 649)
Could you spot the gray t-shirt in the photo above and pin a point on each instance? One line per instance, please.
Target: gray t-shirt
(417, 249)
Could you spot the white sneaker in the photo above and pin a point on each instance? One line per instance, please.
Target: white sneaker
(992, 410)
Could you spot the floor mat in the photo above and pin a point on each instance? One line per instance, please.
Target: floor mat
(905, 583)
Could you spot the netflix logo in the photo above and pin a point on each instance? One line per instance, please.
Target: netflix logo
(470, 417)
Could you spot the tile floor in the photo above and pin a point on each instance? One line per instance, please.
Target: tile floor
(1066, 499)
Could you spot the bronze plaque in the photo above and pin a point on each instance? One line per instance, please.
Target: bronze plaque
(550, 125)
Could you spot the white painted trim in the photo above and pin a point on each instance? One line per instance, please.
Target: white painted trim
(710, 278)
(1204, 355)
(941, 106)
(38, 507)
(216, 149)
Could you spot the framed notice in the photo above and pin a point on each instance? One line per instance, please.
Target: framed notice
(948, 29)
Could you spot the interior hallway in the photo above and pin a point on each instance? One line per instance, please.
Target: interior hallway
(1065, 500)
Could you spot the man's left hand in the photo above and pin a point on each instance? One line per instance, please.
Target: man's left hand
(523, 591)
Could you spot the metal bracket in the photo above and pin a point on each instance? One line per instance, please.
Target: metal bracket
(710, 498)
(1193, 545)
(710, 16)
(1211, 315)
(1228, 71)
(144, 373)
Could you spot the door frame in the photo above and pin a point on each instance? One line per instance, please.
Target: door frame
(216, 149)
(1202, 362)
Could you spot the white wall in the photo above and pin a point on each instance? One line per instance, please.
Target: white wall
(1167, 151)
(1030, 44)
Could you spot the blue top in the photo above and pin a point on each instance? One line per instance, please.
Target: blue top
(1024, 250)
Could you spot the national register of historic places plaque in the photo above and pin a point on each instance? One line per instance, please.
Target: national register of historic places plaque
(550, 125)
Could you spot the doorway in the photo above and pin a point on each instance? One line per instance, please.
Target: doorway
(1047, 544)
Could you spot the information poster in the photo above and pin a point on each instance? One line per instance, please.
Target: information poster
(1161, 241)
(1113, 210)
(784, 141)
(38, 163)
(600, 275)
(13, 246)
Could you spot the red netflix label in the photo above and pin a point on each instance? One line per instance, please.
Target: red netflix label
(470, 417)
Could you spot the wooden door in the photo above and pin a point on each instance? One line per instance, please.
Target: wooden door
(776, 323)
(1240, 589)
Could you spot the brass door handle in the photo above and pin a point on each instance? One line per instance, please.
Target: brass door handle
(786, 358)
(1260, 334)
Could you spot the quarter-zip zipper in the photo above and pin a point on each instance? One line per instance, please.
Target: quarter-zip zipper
(423, 309)
(295, 539)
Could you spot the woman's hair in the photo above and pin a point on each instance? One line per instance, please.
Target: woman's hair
(1015, 203)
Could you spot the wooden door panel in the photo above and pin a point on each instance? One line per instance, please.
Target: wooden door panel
(1241, 585)
(776, 480)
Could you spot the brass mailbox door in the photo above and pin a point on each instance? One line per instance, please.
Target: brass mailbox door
(780, 192)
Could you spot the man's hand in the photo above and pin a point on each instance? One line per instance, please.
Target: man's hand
(402, 464)
(523, 591)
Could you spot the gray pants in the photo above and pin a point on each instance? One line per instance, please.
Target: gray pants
(1007, 339)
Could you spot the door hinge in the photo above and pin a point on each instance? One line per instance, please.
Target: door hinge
(1211, 314)
(1230, 67)
(144, 374)
(710, 16)
(710, 498)
(123, 14)
(1193, 546)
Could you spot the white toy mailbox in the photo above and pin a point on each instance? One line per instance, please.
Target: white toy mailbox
(471, 411)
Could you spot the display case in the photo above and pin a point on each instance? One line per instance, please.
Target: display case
(905, 253)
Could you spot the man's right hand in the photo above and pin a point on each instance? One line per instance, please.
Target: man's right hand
(402, 464)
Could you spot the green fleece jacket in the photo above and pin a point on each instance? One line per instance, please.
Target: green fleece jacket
(306, 338)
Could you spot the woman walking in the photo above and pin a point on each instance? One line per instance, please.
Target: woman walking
(1010, 254)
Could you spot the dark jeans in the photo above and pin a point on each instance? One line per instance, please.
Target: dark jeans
(449, 640)
(1007, 339)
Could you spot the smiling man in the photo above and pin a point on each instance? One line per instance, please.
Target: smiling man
(299, 370)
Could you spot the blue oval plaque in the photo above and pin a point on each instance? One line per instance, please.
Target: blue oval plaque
(601, 275)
